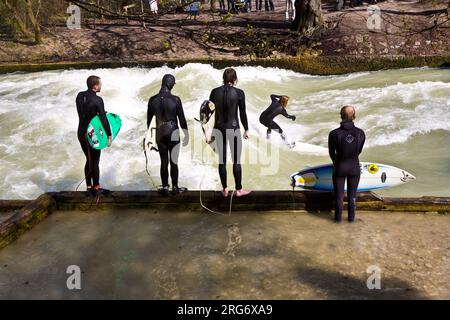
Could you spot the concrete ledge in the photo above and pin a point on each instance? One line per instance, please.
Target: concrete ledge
(11, 205)
(25, 218)
(257, 201)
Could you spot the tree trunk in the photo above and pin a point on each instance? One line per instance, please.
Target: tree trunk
(33, 20)
(308, 15)
(17, 18)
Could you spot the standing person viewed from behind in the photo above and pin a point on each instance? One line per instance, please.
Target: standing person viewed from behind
(344, 146)
(168, 110)
(228, 99)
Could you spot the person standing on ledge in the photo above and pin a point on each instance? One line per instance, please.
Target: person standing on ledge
(228, 99)
(278, 106)
(168, 109)
(88, 106)
(344, 146)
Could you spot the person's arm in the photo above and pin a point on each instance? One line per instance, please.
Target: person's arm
(102, 115)
(150, 113)
(363, 140)
(284, 113)
(211, 97)
(332, 146)
(242, 111)
(183, 123)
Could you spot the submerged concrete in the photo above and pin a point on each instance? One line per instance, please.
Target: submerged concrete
(154, 254)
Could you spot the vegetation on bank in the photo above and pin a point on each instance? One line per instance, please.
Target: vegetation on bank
(320, 41)
(309, 65)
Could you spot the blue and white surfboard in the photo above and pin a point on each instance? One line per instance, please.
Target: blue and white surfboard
(373, 176)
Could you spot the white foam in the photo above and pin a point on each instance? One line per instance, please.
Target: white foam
(39, 150)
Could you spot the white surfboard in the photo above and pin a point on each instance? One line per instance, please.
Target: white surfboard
(207, 121)
(373, 176)
(149, 143)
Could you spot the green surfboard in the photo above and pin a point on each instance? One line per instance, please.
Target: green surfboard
(96, 134)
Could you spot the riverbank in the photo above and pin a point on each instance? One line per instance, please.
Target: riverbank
(329, 65)
(346, 45)
(158, 254)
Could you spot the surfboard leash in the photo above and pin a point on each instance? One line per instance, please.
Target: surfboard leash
(201, 202)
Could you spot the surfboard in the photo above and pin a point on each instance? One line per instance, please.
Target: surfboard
(96, 134)
(207, 121)
(373, 176)
(149, 142)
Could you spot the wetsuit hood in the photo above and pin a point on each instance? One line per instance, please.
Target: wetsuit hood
(168, 82)
(347, 125)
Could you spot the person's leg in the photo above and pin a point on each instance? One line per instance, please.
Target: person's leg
(87, 165)
(164, 171)
(235, 142)
(352, 186)
(274, 126)
(222, 151)
(266, 5)
(338, 183)
(174, 153)
(95, 156)
(272, 7)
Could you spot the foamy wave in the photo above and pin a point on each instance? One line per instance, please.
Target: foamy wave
(39, 150)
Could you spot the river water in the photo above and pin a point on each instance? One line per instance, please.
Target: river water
(405, 114)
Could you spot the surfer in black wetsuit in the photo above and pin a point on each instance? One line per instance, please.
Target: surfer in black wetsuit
(168, 109)
(88, 106)
(228, 99)
(278, 106)
(344, 145)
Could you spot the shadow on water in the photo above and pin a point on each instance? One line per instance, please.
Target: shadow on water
(339, 286)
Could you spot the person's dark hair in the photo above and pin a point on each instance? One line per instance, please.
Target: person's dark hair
(92, 81)
(229, 76)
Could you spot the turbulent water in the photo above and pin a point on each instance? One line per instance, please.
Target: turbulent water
(405, 114)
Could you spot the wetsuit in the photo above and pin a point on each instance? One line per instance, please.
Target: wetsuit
(344, 145)
(88, 106)
(228, 100)
(271, 112)
(167, 109)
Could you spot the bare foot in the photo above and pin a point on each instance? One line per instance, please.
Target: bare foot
(225, 192)
(242, 192)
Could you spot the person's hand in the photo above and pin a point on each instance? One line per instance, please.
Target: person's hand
(185, 140)
(109, 141)
(246, 136)
(293, 118)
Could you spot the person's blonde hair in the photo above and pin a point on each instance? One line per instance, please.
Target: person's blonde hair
(284, 101)
(348, 113)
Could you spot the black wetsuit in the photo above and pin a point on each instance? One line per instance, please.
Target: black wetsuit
(88, 106)
(168, 110)
(344, 145)
(271, 112)
(228, 100)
